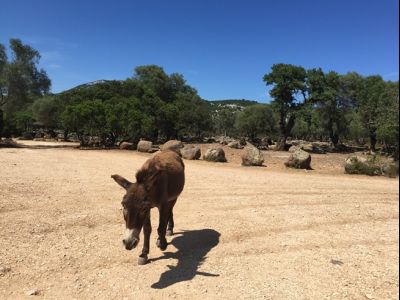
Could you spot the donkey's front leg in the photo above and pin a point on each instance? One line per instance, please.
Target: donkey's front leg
(146, 246)
(162, 227)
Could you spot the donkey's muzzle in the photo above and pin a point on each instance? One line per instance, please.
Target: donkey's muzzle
(130, 243)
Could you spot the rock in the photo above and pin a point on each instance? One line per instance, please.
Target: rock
(294, 148)
(26, 136)
(251, 156)
(307, 147)
(310, 148)
(153, 150)
(321, 147)
(235, 145)
(126, 146)
(173, 145)
(144, 146)
(390, 169)
(32, 292)
(224, 140)
(4, 270)
(357, 164)
(191, 152)
(300, 159)
(215, 154)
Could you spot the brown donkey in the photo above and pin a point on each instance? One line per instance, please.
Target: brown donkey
(158, 184)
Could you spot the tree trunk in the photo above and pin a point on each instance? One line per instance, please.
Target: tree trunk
(334, 138)
(1, 123)
(286, 129)
(281, 146)
(372, 139)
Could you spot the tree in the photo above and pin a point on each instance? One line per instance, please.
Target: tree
(124, 120)
(325, 92)
(371, 99)
(86, 118)
(21, 78)
(46, 111)
(388, 117)
(256, 119)
(224, 120)
(3, 91)
(308, 124)
(289, 93)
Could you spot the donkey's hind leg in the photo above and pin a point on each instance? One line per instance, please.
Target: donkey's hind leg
(170, 228)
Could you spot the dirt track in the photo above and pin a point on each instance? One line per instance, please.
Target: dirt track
(243, 233)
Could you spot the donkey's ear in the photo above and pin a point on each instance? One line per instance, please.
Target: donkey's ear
(121, 181)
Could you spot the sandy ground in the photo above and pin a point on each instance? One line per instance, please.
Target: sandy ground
(242, 233)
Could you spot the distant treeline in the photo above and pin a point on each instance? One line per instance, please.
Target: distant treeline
(307, 104)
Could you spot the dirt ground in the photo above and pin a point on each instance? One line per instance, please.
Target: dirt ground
(241, 232)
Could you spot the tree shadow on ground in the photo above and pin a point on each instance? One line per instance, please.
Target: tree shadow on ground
(192, 249)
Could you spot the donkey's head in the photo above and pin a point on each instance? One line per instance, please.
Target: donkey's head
(136, 204)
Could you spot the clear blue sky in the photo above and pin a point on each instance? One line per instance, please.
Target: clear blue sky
(223, 48)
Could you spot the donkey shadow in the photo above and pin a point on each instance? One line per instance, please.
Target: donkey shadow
(192, 249)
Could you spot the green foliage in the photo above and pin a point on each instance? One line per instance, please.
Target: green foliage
(363, 169)
(22, 80)
(325, 92)
(256, 119)
(23, 121)
(224, 121)
(289, 93)
(308, 124)
(372, 167)
(150, 105)
(388, 116)
(46, 111)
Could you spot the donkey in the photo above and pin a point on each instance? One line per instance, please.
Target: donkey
(158, 184)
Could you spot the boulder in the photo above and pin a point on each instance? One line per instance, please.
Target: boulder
(26, 136)
(191, 152)
(307, 147)
(357, 164)
(173, 145)
(299, 159)
(215, 154)
(235, 145)
(251, 156)
(144, 146)
(126, 146)
(224, 140)
(391, 169)
(294, 148)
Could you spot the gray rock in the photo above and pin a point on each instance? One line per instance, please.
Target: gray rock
(294, 148)
(191, 152)
(391, 169)
(215, 154)
(126, 146)
(32, 292)
(173, 145)
(357, 164)
(144, 146)
(300, 159)
(235, 145)
(251, 156)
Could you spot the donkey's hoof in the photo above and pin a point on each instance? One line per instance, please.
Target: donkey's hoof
(142, 260)
(161, 245)
(169, 232)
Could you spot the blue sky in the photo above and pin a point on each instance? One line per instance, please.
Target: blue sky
(223, 48)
